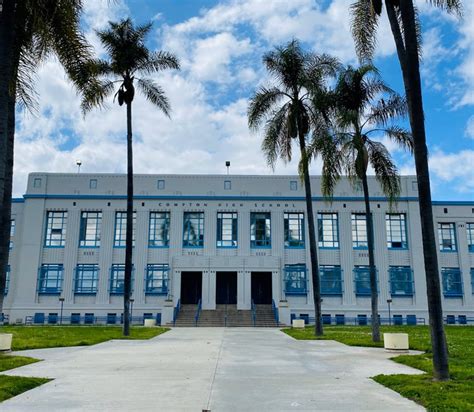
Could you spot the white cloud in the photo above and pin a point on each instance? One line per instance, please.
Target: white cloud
(469, 132)
(454, 168)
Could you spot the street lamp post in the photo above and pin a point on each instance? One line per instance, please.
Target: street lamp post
(131, 309)
(61, 299)
(389, 316)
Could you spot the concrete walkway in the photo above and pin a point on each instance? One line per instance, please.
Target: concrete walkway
(191, 369)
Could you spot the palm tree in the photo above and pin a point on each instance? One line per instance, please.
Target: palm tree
(405, 27)
(285, 110)
(128, 58)
(30, 31)
(364, 105)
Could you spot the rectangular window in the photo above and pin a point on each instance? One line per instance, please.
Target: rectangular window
(328, 232)
(55, 235)
(117, 279)
(396, 230)
(121, 228)
(50, 279)
(193, 234)
(86, 279)
(294, 230)
(7, 280)
(227, 185)
(93, 184)
(362, 280)
(161, 185)
(260, 230)
(89, 231)
(37, 182)
(295, 279)
(331, 280)
(452, 282)
(226, 229)
(156, 280)
(359, 231)
(12, 232)
(472, 281)
(293, 185)
(447, 237)
(401, 281)
(159, 232)
(470, 236)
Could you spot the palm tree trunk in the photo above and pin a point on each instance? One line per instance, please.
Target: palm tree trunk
(412, 81)
(372, 269)
(312, 239)
(129, 232)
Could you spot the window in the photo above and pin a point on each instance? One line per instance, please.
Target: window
(117, 279)
(293, 185)
(193, 235)
(156, 280)
(452, 282)
(328, 233)
(121, 228)
(359, 231)
(86, 279)
(260, 230)
(226, 229)
(362, 280)
(295, 282)
(294, 230)
(7, 280)
(331, 280)
(93, 184)
(401, 281)
(396, 230)
(37, 182)
(50, 279)
(472, 280)
(55, 235)
(470, 236)
(159, 232)
(447, 237)
(227, 185)
(12, 232)
(89, 231)
(161, 185)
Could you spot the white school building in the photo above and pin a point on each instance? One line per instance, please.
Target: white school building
(240, 241)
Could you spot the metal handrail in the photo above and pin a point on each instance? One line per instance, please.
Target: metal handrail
(275, 312)
(198, 311)
(254, 313)
(176, 311)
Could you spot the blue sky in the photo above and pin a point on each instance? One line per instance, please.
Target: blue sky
(220, 44)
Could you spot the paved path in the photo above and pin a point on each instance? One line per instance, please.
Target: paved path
(191, 369)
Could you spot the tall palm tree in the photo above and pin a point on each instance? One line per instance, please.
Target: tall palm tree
(30, 30)
(128, 58)
(364, 106)
(406, 31)
(285, 109)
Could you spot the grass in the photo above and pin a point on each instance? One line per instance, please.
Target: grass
(455, 395)
(38, 337)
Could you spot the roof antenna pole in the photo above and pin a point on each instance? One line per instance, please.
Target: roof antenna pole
(78, 163)
(227, 164)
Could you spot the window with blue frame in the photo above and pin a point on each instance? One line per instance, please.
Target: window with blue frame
(156, 279)
(50, 279)
(121, 228)
(12, 232)
(160, 185)
(362, 280)
(227, 185)
(452, 282)
(193, 234)
(159, 231)
(447, 237)
(470, 236)
(401, 281)
(117, 279)
(86, 279)
(293, 185)
(396, 230)
(328, 233)
(226, 229)
(89, 231)
(472, 281)
(55, 235)
(7, 280)
(331, 280)
(295, 279)
(294, 230)
(359, 231)
(260, 230)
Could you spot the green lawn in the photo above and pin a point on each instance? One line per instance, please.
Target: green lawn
(455, 395)
(37, 337)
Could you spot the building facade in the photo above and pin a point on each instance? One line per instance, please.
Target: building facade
(218, 239)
